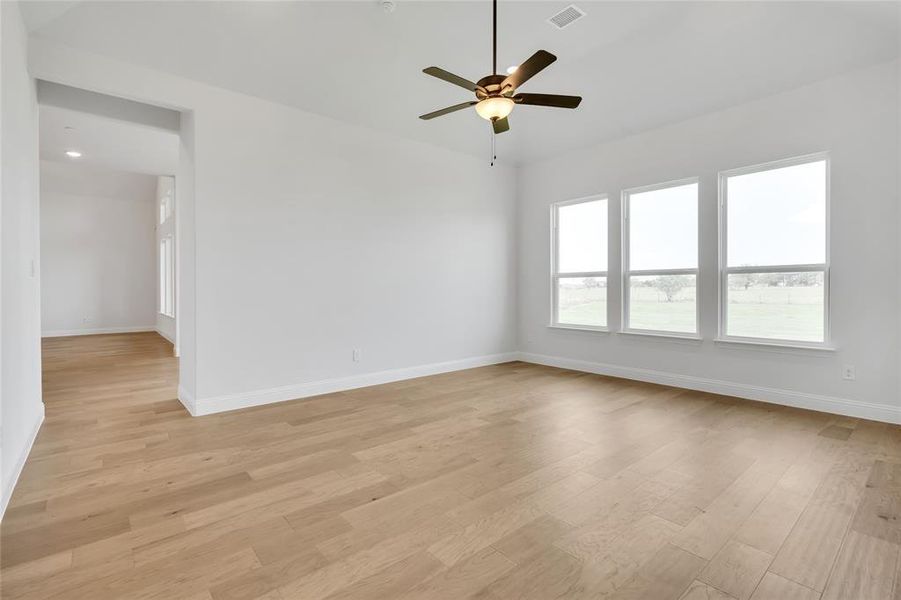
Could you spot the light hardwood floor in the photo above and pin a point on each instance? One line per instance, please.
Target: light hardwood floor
(513, 481)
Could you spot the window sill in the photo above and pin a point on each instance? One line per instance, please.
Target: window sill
(587, 328)
(775, 345)
(679, 337)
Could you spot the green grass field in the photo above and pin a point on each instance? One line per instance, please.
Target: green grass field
(794, 313)
(583, 306)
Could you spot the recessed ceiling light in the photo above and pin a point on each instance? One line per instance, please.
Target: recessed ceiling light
(512, 70)
(73, 153)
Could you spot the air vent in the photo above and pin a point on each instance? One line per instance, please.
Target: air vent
(566, 17)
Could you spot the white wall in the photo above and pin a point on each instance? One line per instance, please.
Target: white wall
(314, 237)
(855, 117)
(289, 259)
(98, 250)
(21, 409)
(336, 238)
(165, 187)
(186, 263)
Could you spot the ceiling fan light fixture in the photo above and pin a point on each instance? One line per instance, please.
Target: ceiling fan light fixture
(495, 107)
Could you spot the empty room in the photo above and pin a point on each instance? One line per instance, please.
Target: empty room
(402, 299)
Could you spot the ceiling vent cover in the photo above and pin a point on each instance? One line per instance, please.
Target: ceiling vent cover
(566, 17)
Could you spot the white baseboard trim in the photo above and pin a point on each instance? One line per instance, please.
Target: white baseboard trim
(169, 339)
(217, 404)
(10, 485)
(97, 331)
(164, 335)
(187, 399)
(829, 404)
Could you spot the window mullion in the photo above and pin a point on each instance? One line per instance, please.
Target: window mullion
(807, 268)
(661, 272)
(577, 274)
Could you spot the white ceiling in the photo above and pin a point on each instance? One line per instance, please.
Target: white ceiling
(106, 143)
(638, 65)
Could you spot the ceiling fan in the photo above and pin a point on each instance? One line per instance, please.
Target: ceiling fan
(496, 95)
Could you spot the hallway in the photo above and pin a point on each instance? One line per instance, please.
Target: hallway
(106, 398)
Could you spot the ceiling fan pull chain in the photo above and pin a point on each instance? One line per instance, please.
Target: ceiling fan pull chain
(493, 146)
(493, 155)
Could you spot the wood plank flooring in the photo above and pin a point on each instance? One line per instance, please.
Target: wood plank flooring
(512, 481)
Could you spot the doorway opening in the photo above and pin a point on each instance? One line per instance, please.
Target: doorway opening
(110, 248)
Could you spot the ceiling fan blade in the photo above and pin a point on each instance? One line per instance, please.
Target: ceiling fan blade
(553, 100)
(501, 125)
(449, 109)
(524, 72)
(451, 78)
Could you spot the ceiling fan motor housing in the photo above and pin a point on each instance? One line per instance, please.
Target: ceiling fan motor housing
(492, 85)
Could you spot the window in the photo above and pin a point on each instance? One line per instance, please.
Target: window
(580, 264)
(165, 206)
(165, 193)
(774, 274)
(167, 277)
(660, 259)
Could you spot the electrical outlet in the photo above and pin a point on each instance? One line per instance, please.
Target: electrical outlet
(356, 355)
(849, 373)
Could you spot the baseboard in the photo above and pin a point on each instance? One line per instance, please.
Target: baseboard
(96, 331)
(164, 335)
(10, 485)
(207, 406)
(829, 404)
(169, 339)
(187, 399)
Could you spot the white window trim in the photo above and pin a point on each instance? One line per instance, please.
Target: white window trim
(626, 273)
(165, 209)
(167, 276)
(556, 274)
(724, 270)
(670, 336)
(161, 276)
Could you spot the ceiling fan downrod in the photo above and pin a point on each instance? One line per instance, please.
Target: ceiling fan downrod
(494, 38)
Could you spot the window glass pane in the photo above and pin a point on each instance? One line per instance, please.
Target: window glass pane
(663, 303)
(582, 301)
(663, 228)
(783, 306)
(582, 237)
(777, 217)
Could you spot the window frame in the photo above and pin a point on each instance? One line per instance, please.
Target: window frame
(556, 275)
(165, 208)
(627, 273)
(723, 259)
